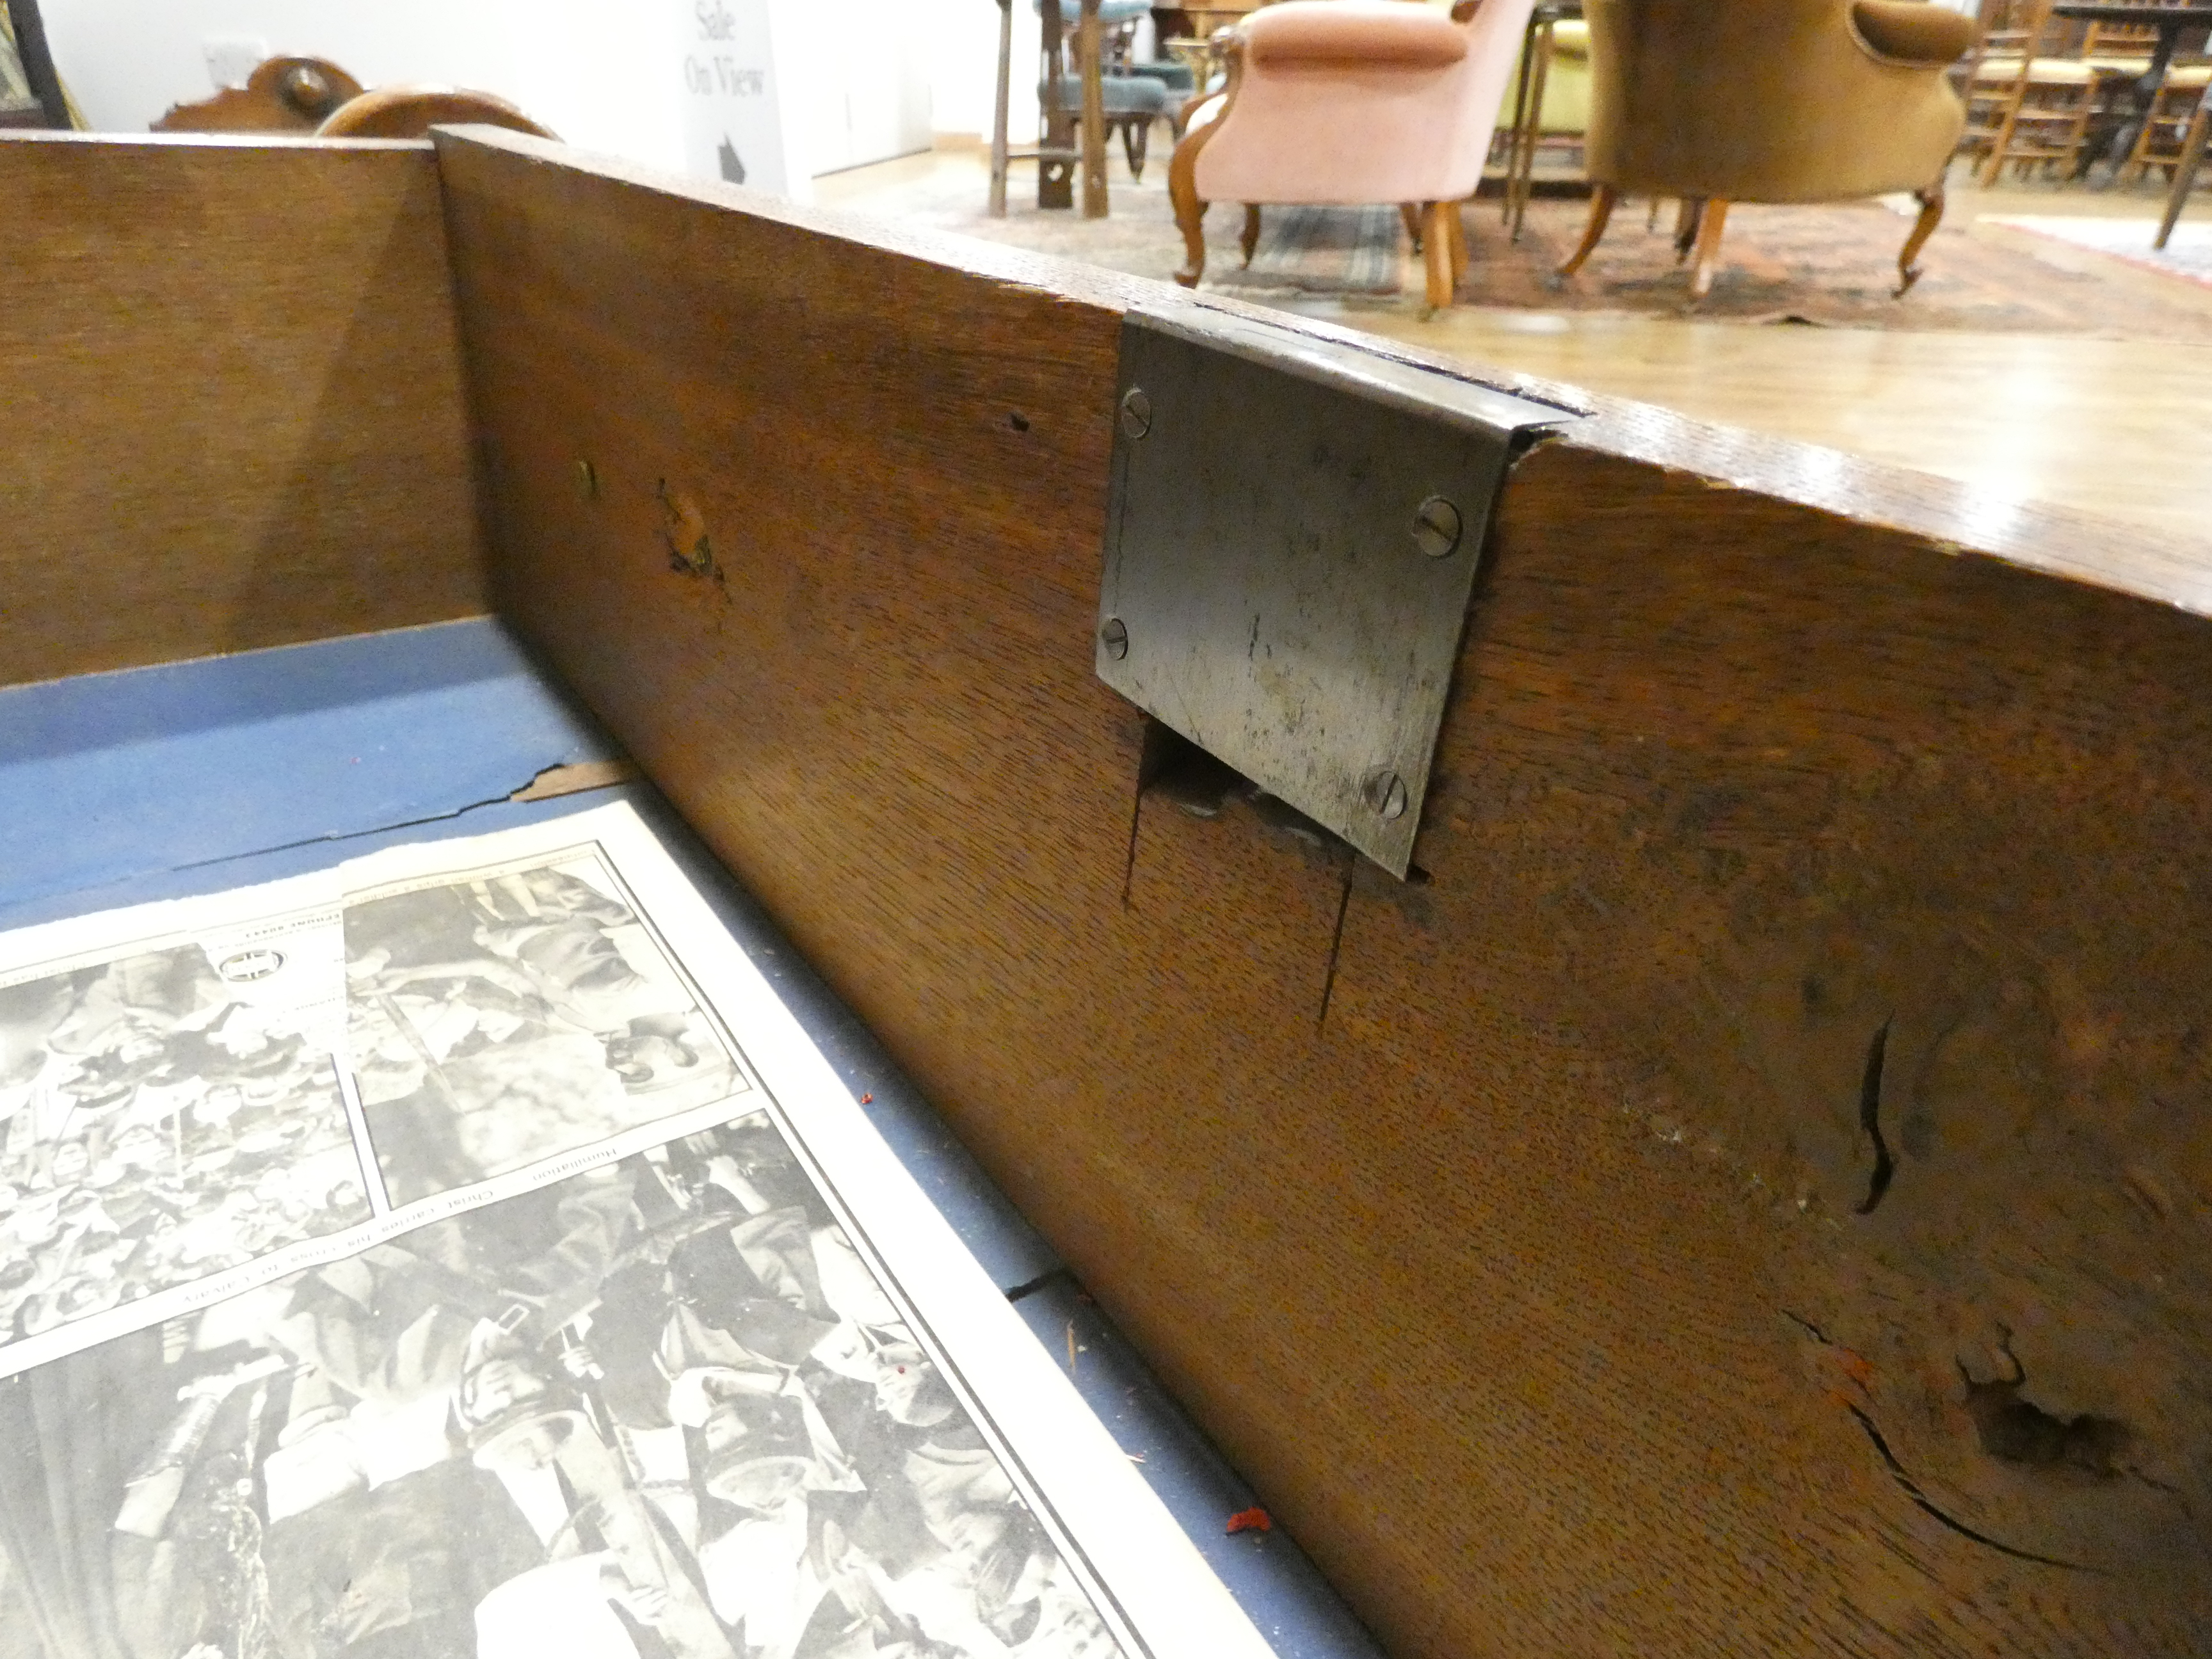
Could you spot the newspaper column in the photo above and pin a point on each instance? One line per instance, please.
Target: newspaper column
(735, 128)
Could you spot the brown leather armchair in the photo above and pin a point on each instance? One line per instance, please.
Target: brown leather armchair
(1717, 101)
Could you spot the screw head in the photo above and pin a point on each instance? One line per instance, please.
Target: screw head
(1115, 636)
(1436, 527)
(1136, 412)
(1384, 791)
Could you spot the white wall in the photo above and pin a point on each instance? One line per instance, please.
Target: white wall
(607, 75)
(603, 74)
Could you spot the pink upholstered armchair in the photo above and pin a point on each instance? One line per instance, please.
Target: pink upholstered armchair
(1353, 102)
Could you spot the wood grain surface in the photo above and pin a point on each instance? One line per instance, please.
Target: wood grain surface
(1753, 1197)
(234, 406)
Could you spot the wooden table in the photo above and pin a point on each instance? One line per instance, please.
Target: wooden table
(2120, 128)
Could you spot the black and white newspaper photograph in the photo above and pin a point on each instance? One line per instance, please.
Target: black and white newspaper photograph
(464, 1254)
(167, 1113)
(508, 1015)
(660, 1409)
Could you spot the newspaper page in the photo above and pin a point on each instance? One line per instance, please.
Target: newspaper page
(463, 1252)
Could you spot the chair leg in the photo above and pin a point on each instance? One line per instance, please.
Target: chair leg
(1520, 178)
(1136, 139)
(997, 206)
(1711, 222)
(2184, 171)
(1688, 213)
(1931, 214)
(1456, 224)
(1249, 238)
(1602, 201)
(1435, 253)
(1089, 52)
(2002, 141)
(1182, 192)
(1520, 115)
(1411, 213)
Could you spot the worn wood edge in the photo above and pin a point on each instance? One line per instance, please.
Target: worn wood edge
(211, 141)
(1961, 519)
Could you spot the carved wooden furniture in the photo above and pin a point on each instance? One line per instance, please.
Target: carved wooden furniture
(1745, 1194)
(1694, 98)
(1352, 102)
(409, 112)
(283, 94)
(312, 95)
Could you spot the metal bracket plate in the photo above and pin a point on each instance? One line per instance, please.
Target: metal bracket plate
(1291, 540)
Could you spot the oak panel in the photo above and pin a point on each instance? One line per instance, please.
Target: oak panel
(1506, 1227)
(234, 405)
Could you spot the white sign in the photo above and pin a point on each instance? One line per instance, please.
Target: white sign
(733, 123)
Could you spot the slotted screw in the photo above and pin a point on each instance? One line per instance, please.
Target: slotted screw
(1136, 412)
(1384, 791)
(1115, 636)
(1436, 527)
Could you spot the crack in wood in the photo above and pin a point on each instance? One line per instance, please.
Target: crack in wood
(1885, 1166)
(1921, 1500)
(1336, 940)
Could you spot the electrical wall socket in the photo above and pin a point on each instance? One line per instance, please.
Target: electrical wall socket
(232, 58)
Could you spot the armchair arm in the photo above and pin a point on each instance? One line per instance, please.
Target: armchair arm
(1913, 32)
(1353, 32)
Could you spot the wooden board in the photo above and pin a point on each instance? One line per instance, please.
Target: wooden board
(234, 409)
(1518, 1230)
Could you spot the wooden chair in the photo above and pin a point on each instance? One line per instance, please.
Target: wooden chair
(2048, 119)
(1079, 103)
(1988, 81)
(2054, 91)
(2166, 124)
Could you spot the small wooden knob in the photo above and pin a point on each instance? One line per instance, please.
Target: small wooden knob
(309, 90)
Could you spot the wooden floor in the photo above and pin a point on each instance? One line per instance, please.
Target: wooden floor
(2118, 428)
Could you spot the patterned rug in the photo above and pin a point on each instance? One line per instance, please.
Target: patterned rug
(1828, 265)
(1320, 250)
(1831, 265)
(2188, 251)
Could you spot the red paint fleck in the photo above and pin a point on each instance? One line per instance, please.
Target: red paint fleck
(868, 1099)
(1252, 1520)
